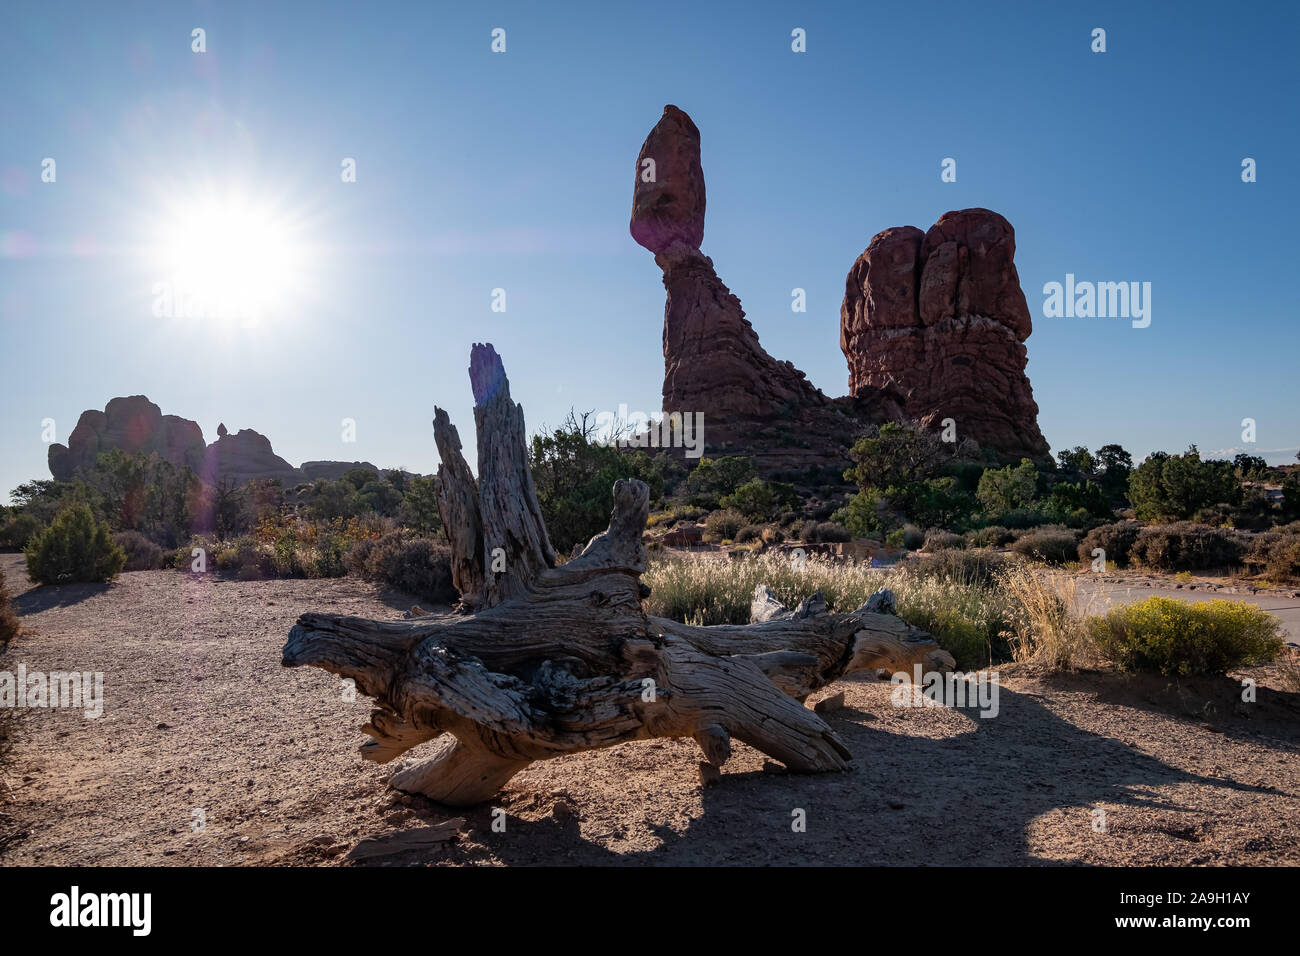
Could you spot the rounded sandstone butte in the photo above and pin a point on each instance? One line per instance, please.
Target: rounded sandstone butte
(136, 426)
(941, 319)
(670, 206)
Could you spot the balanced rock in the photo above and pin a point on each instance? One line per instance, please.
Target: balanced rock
(713, 362)
(668, 201)
(939, 319)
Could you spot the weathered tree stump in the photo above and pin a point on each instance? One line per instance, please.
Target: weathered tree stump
(554, 660)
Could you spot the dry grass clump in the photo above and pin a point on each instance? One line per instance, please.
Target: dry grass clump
(1047, 629)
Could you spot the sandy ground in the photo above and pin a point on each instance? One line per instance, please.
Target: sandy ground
(201, 721)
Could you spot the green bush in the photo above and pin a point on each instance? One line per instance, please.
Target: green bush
(1008, 489)
(1051, 545)
(753, 499)
(1178, 486)
(1184, 546)
(1115, 539)
(1175, 638)
(75, 547)
(418, 566)
(714, 478)
(16, 530)
(723, 525)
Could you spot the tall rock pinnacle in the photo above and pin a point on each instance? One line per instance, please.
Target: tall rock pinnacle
(713, 362)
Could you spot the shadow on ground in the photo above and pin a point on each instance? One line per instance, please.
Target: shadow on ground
(965, 799)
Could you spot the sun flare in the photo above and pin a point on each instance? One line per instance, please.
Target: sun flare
(228, 259)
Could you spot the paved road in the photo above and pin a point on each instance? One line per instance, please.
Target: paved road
(1102, 595)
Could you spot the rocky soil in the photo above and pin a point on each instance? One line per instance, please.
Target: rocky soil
(201, 723)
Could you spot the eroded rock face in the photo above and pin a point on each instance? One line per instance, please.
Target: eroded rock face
(713, 362)
(136, 426)
(940, 319)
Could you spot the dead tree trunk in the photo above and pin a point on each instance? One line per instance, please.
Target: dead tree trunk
(555, 660)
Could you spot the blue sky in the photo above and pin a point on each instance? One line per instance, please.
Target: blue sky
(478, 171)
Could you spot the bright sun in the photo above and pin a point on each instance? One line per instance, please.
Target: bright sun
(227, 259)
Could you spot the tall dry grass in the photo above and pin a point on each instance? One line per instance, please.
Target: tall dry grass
(956, 598)
(1048, 627)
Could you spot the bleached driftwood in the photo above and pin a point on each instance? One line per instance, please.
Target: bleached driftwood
(559, 659)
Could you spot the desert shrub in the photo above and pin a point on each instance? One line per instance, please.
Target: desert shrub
(750, 532)
(141, 553)
(1115, 539)
(1050, 545)
(1277, 555)
(245, 558)
(75, 547)
(573, 473)
(814, 532)
(182, 559)
(1184, 546)
(1020, 519)
(419, 566)
(978, 567)
(9, 626)
(1176, 638)
(909, 536)
(723, 525)
(16, 530)
(936, 539)
(994, 536)
(830, 531)
(772, 534)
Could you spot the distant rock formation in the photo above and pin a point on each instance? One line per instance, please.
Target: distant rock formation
(244, 456)
(940, 319)
(332, 470)
(136, 425)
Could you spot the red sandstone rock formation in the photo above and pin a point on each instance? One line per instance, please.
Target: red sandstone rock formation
(713, 362)
(136, 425)
(940, 319)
